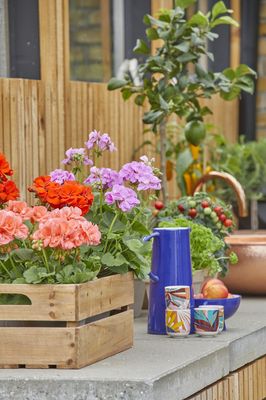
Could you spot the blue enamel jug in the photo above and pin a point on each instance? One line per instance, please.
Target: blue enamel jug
(171, 265)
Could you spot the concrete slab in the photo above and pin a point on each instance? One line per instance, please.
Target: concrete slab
(155, 366)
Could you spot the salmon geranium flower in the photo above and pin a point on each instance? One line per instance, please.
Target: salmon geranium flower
(11, 227)
(63, 230)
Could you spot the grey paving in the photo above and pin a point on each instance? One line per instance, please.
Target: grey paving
(156, 368)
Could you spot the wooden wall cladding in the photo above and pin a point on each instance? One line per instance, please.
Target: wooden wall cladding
(247, 383)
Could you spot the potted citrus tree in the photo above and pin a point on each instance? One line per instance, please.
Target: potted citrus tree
(167, 85)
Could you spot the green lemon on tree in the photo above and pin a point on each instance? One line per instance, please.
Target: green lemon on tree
(195, 132)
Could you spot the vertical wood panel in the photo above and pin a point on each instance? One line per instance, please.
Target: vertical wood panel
(248, 383)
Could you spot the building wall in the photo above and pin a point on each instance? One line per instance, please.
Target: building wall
(261, 69)
(86, 49)
(4, 53)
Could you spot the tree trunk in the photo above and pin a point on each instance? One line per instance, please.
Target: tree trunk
(254, 215)
(163, 161)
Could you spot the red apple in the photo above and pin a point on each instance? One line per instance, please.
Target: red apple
(215, 292)
(211, 282)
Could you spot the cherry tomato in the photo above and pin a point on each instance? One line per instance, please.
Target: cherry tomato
(228, 222)
(192, 212)
(222, 217)
(218, 210)
(207, 211)
(158, 205)
(155, 213)
(181, 208)
(204, 204)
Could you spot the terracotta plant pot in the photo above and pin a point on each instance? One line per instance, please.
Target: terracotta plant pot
(249, 275)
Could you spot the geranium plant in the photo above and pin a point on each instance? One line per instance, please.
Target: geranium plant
(8, 189)
(114, 200)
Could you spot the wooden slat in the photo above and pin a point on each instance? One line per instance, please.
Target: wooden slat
(247, 383)
(49, 303)
(105, 338)
(235, 35)
(46, 345)
(104, 294)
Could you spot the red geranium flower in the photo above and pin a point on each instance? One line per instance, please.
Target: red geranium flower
(8, 191)
(4, 168)
(70, 193)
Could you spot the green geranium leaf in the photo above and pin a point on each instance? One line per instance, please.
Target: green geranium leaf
(115, 83)
(22, 254)
(111, 261)
(35, 274)
(133, 244)
(140, 228)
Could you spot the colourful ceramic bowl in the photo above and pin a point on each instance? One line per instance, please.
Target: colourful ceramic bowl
(230, 304)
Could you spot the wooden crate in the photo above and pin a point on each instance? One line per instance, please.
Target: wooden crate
(66, 325)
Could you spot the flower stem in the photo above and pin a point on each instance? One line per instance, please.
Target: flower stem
(45, 260)
(5, 269)
(101, 200)
(109, 231)
(13, 264)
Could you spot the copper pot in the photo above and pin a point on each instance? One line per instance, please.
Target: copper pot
(249, 275)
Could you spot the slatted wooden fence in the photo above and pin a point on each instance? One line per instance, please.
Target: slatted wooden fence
(39, 120)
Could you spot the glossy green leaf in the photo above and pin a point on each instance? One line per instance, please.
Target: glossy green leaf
(219, 8)
(199, 19)
(152, 33)
(224, 21)
(115, 83)
(141, 47)
(184, 47)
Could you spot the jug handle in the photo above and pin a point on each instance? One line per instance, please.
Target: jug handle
(154, 278)
(149, 237)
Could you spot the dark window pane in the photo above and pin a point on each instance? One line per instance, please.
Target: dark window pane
(23, 19)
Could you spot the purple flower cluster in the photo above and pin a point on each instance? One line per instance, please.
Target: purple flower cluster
(77, 155)
(125, 197)
(105, 176)
(103, 141)
(60, 176)
(140, 173)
